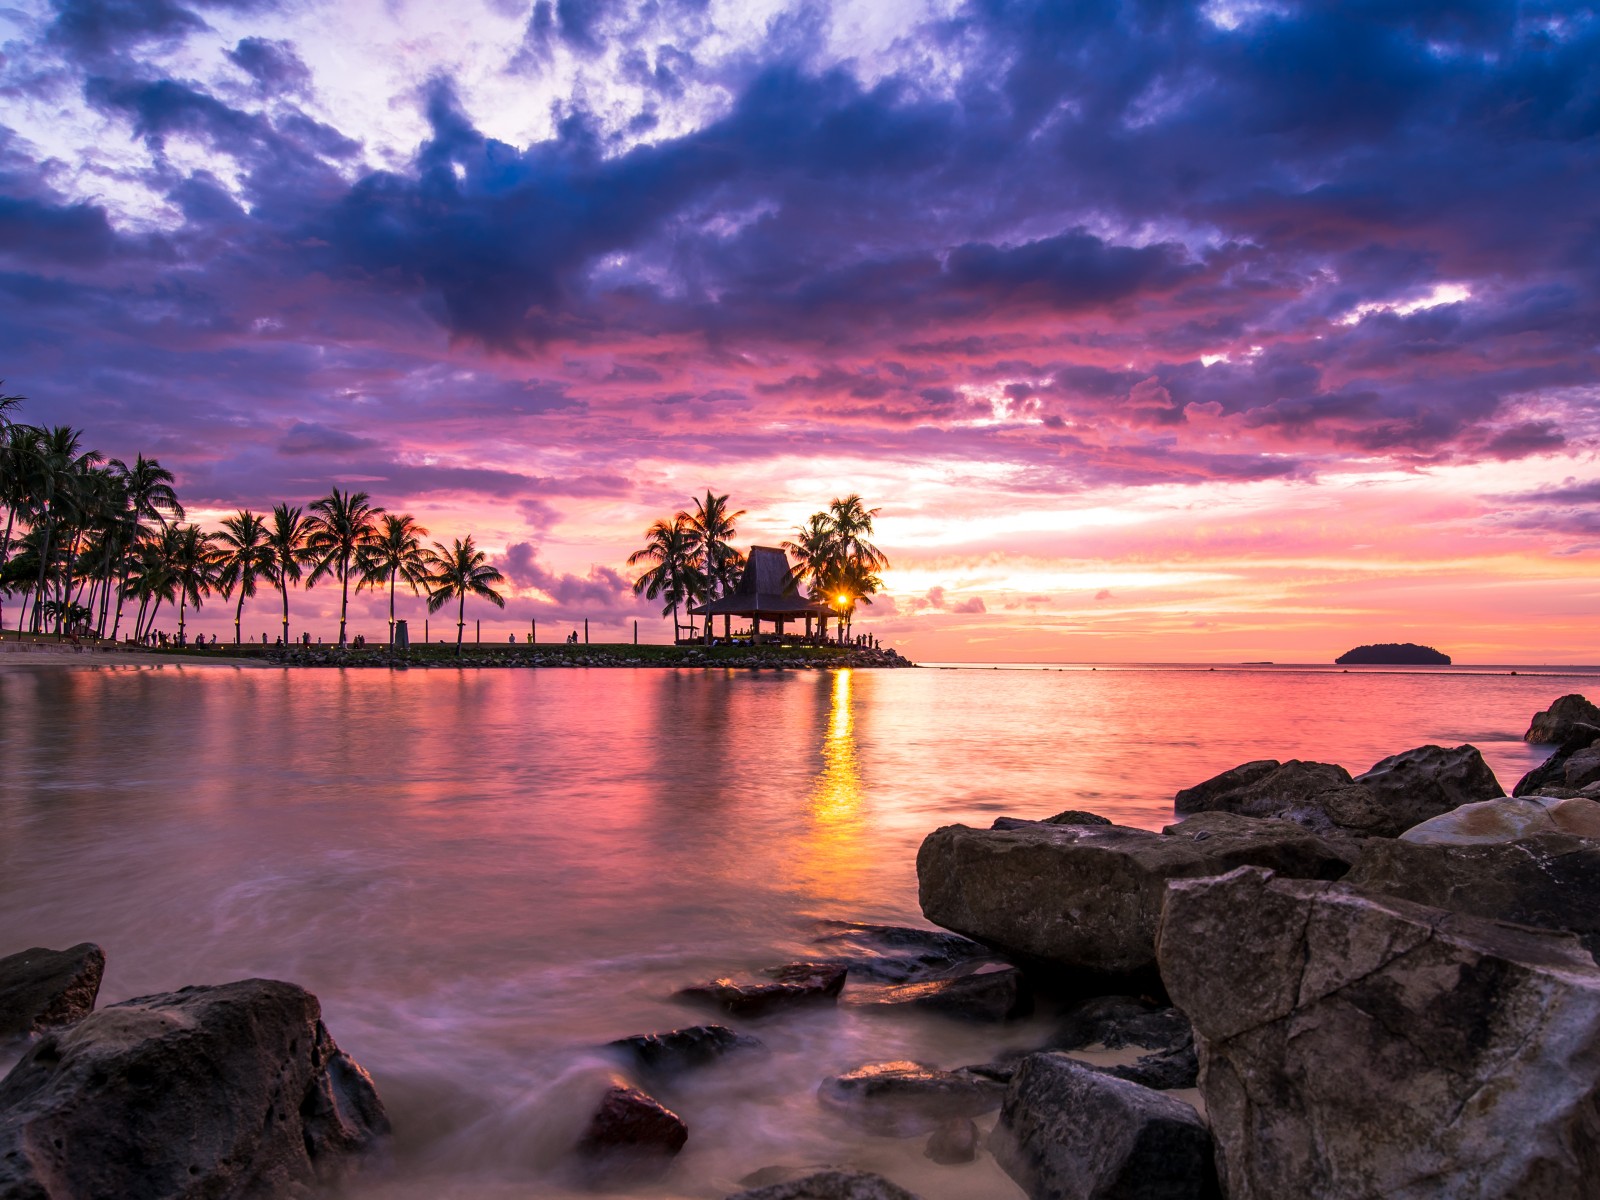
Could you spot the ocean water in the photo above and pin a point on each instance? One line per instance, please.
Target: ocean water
(485, 875)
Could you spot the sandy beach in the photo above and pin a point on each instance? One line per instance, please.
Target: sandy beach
(51, 654)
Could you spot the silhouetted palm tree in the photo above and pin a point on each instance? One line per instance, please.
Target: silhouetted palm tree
(290, 554)
(150, 498)
(153, 577)
(460, 570)
(396, 554)
(816, 549)
(195, 567)
(343, 524)
(668, 544)
(244, 554)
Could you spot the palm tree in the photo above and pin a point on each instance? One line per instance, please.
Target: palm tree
(459, 570)
(710, 530)
(195, 569)
(19, 452)
(396, 554)
(150, 497)
(243, 555)
(852, 522)
(674, 576)
(290, 553)
(344, 524)
(816, 550)
(56, 477)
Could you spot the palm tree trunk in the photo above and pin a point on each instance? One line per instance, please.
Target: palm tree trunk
(392, 573)
(344, 589)
(461, 620)
(5, 544)
(44, 560)
(238, 614)
(183, 608)
(285, 590)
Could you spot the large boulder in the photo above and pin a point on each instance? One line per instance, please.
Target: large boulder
(235, 1091)
(1551, 776)
(1558, 722)
(1068, 1131)
(1507, 820)
(1361, 1046)
(1551, 881)
(898, 1099)
(45, 989)
(1085, 899)
(1418, 784)
(1394, 795)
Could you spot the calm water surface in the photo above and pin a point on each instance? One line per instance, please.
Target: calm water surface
(485, 874)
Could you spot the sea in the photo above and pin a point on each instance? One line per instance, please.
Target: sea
(486, 875)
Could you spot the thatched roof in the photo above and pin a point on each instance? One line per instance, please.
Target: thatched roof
(766, 589)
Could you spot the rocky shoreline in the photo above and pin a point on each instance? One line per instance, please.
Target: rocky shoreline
(1321, 984)
(507, 656)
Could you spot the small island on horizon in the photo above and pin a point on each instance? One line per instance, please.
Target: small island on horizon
(1393, 654)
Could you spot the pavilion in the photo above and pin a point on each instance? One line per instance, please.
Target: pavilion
(766, 591)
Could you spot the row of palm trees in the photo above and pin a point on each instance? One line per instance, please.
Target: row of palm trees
(691, 558)
(93, 534)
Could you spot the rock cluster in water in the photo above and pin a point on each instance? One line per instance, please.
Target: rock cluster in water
(1381, 985)
(437, 657)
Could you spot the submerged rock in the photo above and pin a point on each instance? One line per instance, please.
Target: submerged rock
(631, 1127)
(953, 1143)
(899, 953)
(1552, 882)
(1510, 819)
(829, 1185)
(1164, 1072)
(1560, 722)
(898, 1099)
(1360, 1046)
(1067, 1130)
(795, 985)
(683, 1049)
(1085, 899)
(1118, 1021)
(993, 993)
(45, 989)
(235, 1091)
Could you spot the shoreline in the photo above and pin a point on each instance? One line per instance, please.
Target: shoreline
(559, 655)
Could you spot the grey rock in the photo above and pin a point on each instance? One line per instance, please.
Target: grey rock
(994, 993)
(1084, 899)
(1118, 1021)
(1550, 881)
(1582, 768)
(1418, 784)
(1552, 773)
(1356, 1046)
(794, 985)
(1075, 816)
(234, 1091)
(829, 1185)
(1164, 1072)
(683, 1049)
(1556, 723)
(45, 989)
(953, 1143)
(1205, 797)
(1069, 1131)
(898, 1099)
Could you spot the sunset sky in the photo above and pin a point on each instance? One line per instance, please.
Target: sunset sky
(1157, 331)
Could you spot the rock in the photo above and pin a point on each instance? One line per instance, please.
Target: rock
(1582, 768)
(1555, 724)
(235, 1090)
(683, 1049)
(1075, 816)
(44, 989)
(1508, 820)
(898, 953)
(1164, 1072)
(993, 993)
(1084, 899)
(830, 1185)
(1067, 1130)
(953, 1143)
(795, 985)
(1361, 1046)
(1204, 797)
(1551, 881)
(1318, 850)
(633, 1126)
(1118, 1021)
(1418, 784)
(898, 1099)
(1552, 773)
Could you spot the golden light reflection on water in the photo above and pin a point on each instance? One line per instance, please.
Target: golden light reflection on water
(833, 851)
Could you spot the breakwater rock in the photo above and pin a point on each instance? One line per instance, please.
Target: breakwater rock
(557, 656)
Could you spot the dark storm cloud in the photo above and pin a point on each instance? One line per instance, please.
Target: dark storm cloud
(1096, 198)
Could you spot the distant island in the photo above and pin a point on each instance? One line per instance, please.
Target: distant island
(1391, 654)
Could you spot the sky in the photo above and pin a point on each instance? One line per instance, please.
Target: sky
(1155, 331)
